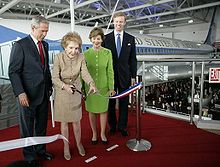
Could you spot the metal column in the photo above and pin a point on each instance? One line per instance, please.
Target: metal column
(201, 91)
(192, 93)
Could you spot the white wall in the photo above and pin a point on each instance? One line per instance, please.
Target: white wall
(56, 30)
(190, 32)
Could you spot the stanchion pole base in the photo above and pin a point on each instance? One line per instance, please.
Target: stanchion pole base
(138, 145)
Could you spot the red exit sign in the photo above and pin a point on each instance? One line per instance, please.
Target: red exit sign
(214, 75)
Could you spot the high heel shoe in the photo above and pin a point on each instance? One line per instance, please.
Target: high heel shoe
(94, 142)
(81, 150)
(104, 140)
(67, 155)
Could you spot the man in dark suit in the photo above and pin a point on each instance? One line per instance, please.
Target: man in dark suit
(123, 50)
(31, 81)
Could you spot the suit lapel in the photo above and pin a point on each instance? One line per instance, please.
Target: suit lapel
(45, 48)
(113, 42)
(123, 46)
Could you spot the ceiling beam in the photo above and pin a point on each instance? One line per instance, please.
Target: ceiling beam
(126, 10)
(178, 11)
(43, 2)
(9, 5)
(8, 15)
(145, 5)
(92, 18)
(58, 13)
(68, 9)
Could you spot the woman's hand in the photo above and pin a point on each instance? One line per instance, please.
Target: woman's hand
(112, 93)
(68, 88)
(92, 89)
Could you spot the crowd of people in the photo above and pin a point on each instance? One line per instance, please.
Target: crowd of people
(176, 96)
(169, 96)
(109, 67)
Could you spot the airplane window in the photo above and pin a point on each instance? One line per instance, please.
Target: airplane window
(166, 51)
(158, 51)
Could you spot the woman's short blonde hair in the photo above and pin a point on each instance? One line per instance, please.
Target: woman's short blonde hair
(71, 36)
(95, 32)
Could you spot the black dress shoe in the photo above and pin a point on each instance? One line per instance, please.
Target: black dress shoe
(46, 156)
(105, 142)
(34, 163)
(124, 132)
(94, 142)
(112, 131)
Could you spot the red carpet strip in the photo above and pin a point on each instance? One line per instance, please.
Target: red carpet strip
(174, 143)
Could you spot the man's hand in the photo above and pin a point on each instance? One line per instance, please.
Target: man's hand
(112, 93)
(23, 100)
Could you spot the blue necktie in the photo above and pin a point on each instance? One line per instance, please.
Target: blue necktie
(118, 44)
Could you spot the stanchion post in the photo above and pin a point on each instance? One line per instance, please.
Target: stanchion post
(138, 144)
(138, 115)
(52, 109)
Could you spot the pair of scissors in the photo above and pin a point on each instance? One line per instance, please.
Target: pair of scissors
(76, 90)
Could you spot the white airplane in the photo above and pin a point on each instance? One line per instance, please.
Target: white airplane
(150, 45)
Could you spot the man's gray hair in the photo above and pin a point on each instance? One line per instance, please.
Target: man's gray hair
(36, 20)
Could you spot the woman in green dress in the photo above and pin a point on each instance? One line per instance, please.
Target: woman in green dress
(99, 64)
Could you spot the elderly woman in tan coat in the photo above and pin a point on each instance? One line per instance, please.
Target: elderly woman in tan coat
(68, 67)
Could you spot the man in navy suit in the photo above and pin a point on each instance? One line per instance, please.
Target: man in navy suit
(31, 81)
(123, 50)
